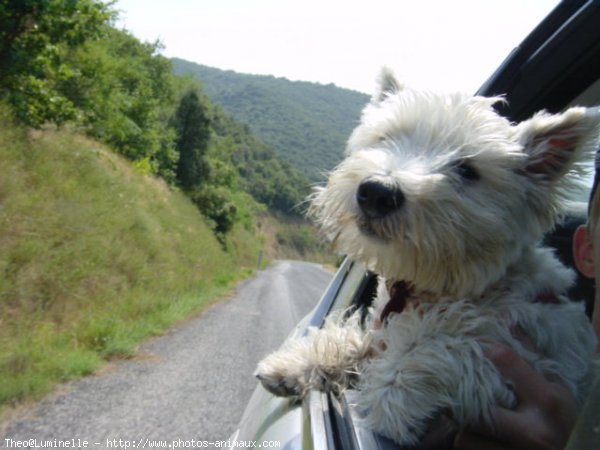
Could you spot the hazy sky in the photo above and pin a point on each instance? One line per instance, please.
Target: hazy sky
(432, 44)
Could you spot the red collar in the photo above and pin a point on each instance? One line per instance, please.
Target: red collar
(546, 297)
(401, 291)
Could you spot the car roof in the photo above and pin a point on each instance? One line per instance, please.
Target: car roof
(554, 64)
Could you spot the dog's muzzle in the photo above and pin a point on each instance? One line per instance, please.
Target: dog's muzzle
(377, 199)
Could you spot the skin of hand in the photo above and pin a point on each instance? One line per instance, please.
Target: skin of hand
(543, 419)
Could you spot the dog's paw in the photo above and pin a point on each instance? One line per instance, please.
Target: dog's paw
(325, 359)
(285, 373)
(278, 384)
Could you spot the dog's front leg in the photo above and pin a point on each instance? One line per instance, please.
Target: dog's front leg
(326, 359)
(402, 390)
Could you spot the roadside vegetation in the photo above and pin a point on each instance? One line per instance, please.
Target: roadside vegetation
(128, 200)
(95, 256)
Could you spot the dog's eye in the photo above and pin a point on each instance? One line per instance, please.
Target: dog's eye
(466, 171)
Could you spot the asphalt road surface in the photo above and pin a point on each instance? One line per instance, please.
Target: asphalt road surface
(192, 383)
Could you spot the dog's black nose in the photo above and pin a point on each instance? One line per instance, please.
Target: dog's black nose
(377, 200)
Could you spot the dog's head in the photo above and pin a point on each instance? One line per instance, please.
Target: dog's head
(441, 191)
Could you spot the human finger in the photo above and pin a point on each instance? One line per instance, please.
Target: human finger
(528, 385)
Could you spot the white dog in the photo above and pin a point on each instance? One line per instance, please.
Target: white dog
(446, 200)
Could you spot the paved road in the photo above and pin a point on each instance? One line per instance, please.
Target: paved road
(192, 383)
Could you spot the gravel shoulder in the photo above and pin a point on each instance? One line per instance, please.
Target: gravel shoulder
(191, 383)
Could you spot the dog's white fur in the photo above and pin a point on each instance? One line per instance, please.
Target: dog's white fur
(477, 195)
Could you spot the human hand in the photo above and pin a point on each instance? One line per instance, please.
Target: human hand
(543, 419)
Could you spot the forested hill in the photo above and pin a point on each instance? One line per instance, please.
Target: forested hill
(306, 123)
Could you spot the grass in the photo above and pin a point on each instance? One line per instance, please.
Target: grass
(295, 238)
(94, 257)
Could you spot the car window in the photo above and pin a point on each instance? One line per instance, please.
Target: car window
(351, 434)
(357, 290)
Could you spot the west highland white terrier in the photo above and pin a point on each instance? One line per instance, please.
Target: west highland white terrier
(447, 202)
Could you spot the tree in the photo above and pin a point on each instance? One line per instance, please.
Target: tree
(216, 203)
(193, 128)
(124, 92)
(35, 35)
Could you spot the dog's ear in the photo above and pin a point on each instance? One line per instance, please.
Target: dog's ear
(554, 144)
(387, 84)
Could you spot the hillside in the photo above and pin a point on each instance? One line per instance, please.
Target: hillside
(94, 256)
(306, 123)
